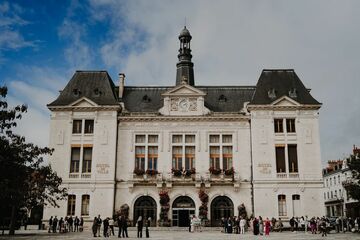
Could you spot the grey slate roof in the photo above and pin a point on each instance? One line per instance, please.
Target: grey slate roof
(217, 99)
(279, 83)
(95, 85)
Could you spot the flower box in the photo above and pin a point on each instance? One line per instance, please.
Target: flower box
(229, 172)
(151, 172)
(139, 172)
(176, 172)
(215, 171)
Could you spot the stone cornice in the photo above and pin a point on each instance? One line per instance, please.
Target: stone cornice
(85, 109)
(151, 118)
(251, 107)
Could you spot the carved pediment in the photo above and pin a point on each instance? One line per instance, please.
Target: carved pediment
(184, 90)
(285, 101)
(184, 100)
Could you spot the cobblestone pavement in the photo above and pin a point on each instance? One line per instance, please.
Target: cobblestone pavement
(178, 235)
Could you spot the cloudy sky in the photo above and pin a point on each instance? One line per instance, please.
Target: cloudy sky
(42, 43)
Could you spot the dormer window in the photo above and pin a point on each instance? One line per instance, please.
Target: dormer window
(272, 93)
(97, 92)
(222, 98)
(293, 93)
(146, 99)
(76, 92)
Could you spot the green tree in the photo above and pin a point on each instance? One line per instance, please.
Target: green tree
(353, 187)
(25, 181)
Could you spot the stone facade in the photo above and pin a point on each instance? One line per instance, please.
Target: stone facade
(124, 145)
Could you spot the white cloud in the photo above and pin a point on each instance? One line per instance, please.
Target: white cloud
(234, 40)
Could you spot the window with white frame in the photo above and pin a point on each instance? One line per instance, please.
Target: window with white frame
(282, 205)
(71, 205)
(85, 203)
(78, 125)
(146, 151)
(221, 151)
(183, 151)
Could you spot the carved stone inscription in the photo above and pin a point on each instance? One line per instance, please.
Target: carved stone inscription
(102, 168)
(264, 168)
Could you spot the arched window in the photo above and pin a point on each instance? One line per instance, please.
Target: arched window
(71, 205)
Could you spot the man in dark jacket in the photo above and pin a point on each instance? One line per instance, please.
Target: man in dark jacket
(119, 225)
(54, 224)
(124, 226)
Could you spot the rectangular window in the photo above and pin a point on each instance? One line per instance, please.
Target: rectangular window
(215, 157)
(152, 158)
(280, 159)
(189, 157)
(177, 153)
(227, 138)
(293, 160)
(140, 139)
(75, 160)
(278, 125)
(227, 157)
(85, 203)
(87, 158)
(214, 138)
(77, 125)
(140, 157)
(177, 139)
(282, 205)
(89, 126)
(189, 138)
(290, 125)
(71, 205)
(152, 138)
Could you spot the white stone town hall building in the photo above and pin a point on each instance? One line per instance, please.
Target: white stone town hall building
(252, 145)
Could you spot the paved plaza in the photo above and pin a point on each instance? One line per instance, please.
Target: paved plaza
(179, 235)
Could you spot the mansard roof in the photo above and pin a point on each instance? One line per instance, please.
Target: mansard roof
(217, 99)
(94, 85)
(277, 83)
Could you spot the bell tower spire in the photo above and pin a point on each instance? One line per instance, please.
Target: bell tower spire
(184, 67)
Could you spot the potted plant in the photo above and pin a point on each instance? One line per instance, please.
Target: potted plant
(139, 172)
(215, 171)
(151, 172)
(189, 172)
(229, 172)
(176, 172)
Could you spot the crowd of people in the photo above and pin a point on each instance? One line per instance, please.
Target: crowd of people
(66, 224)
(122, 223)
(315, 225)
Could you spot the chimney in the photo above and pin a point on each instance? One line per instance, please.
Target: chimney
(121, 84)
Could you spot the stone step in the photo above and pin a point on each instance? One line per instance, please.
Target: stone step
(180, 229)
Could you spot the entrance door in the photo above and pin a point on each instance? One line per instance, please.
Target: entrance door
(221, 207)
(184, 218)
(182, 208)
(145, 207)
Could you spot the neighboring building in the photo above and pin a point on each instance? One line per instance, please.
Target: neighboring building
(117, 145)
(337, 200)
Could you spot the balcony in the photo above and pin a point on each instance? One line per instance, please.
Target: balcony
(281, 175)
(288, 175)
(86, 175)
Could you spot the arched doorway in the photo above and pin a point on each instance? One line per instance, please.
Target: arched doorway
(221, 207)
(182, 208)
(145, 206)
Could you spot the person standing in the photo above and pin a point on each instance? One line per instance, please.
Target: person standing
(255, 226)
(124, 226)
(229, 225)
(242, 225)
(71, 222)
(306, 222)
(111, 226)
(139, 225)
(94, 227)
(267, 227)
(292, 222)
(280, 225)
(81, 224)
(98, 221)
(261, 226)
(147, 225)
(119, 221)
(61, 224)
(54, 224)
(76, 224)
(50, 224)
(106, 227)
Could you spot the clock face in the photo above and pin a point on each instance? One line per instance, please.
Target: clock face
(183, 104)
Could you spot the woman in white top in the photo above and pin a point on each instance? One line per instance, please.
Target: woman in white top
(242, 225)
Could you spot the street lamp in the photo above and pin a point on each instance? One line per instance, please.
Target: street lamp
(341, 199)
